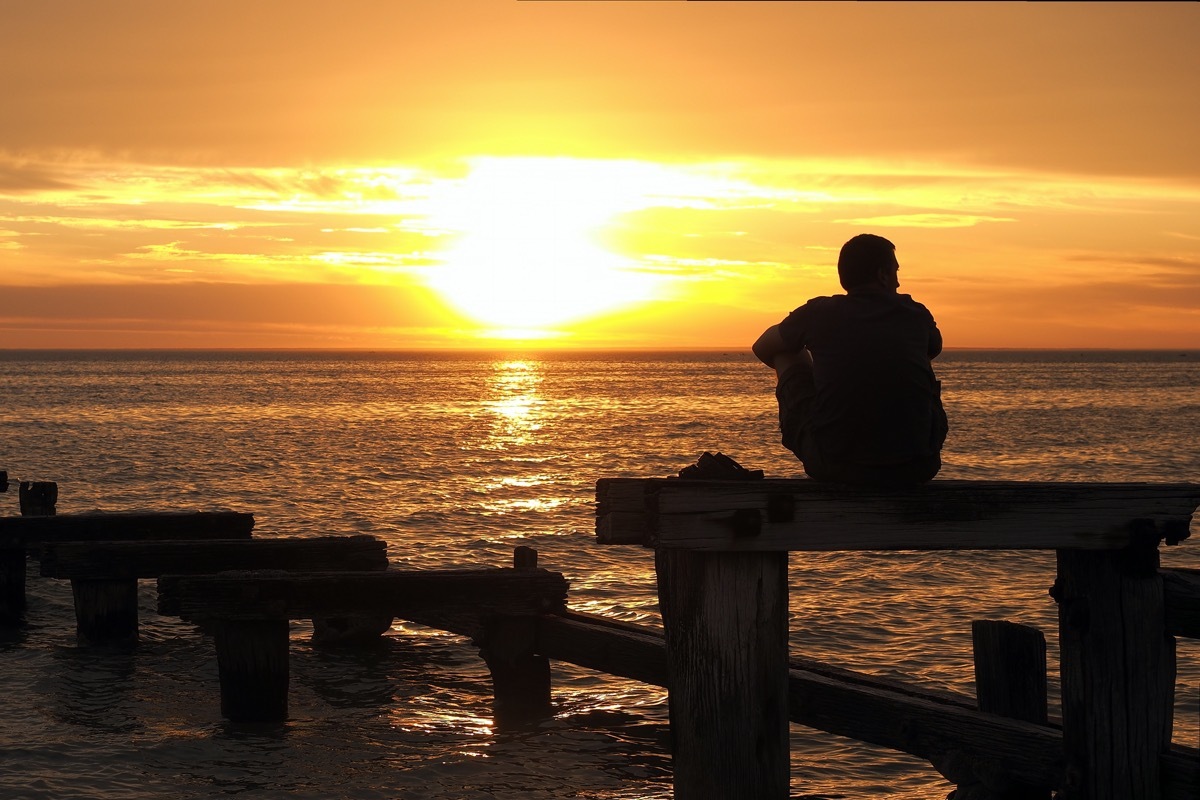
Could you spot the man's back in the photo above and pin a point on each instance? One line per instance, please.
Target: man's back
(875, 390)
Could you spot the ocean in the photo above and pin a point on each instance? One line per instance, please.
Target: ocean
(454, 459)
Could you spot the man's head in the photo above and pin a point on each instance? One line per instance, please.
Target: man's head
(868, 260)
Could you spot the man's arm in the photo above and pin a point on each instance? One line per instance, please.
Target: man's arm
(935, 341)
(769, 345)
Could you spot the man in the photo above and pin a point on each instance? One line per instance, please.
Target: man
(858, 400)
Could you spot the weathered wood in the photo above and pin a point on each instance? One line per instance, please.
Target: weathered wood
(1118, 673)
(725, 618)
(12, 584)
(250, 608)
(409, 594)
(1001, 751)
(38, 498)
(805, 515)
(621, 511)
(106, 611)
(1182, 597)
(151, 559)
(252, 660)
(924, 722)
(638, 651)
(1181, 773)
(1010, 680)
(622, 649)
(127, 526)
(1010, 669)
(524, 557)
(520, 676)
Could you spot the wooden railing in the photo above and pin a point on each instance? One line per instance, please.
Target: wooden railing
(721, 551)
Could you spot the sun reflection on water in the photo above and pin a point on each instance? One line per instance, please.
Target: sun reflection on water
(514, 401)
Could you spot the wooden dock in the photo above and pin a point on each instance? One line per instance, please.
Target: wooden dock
(721, 554)
(721, 550)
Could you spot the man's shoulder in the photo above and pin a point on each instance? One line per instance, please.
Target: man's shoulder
(823, 301)
(908, 300)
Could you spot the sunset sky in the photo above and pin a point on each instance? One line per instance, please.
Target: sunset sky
(470, 173)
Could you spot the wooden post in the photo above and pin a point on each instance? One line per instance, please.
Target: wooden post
(520, 676)
(1010, 680)
(38, 498)
(725, 619)
(252, 658)
(106, 611)
(12, 583)
(1010, 670)
(1118, 672)
(524, 557)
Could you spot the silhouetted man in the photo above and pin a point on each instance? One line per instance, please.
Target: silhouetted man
(858, 400)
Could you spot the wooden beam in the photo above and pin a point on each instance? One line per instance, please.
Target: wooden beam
(912, 719)
(777, 515)
(417, 595)
(127, 526)
(152, 559)
(104, 575)
(927, 723)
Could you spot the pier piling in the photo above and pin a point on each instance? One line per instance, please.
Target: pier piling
(725, 617)
(1118, 672)
(38, 498)
(252, 660)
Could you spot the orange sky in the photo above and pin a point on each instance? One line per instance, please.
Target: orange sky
(634, 174)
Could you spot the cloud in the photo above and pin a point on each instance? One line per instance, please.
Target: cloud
(19, 178)
(216, 314)
(1088, 88)
(925, 220)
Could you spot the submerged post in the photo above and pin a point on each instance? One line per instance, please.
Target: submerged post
(520, 676)
(725, 619)
(38, 498)
(106, 611)
(252, 659)
(1118, 672)
(12, 582)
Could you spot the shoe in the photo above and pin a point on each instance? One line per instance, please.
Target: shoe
(719, 467)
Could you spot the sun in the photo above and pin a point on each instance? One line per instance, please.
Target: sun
(525, 257)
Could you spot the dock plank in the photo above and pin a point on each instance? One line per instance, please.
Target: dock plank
(797, 514)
